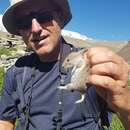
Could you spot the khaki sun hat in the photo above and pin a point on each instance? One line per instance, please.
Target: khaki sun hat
(9, 20)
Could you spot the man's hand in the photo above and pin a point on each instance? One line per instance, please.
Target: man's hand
(109, 73)
(6, 125)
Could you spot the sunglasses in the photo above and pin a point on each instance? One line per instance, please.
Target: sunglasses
(26, 21)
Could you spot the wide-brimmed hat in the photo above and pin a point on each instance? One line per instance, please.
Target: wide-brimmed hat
(9, 20)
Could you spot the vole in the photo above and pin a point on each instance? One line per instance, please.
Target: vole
(79, 74)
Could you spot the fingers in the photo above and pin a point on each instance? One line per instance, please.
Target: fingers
(109, 69)
(103, 81)
(104, 62)
(98, 55)
(106, 68)
(108, 83)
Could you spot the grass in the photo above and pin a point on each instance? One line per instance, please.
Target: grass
(6, 51)
(1, 78)
(116, 123)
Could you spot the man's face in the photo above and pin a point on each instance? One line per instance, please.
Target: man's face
(40, 28)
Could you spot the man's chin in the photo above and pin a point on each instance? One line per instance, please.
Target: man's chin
(43, 51)
(47, 54)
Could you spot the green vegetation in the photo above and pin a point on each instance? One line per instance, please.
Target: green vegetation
(6, 50)
(1, 77)
(116, 123)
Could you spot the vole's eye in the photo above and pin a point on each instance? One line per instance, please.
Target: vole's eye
(68, 60)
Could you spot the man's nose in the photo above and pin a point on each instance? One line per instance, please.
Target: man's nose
(36, 27)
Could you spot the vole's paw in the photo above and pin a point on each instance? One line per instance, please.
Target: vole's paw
(62, 87)
(81, 99)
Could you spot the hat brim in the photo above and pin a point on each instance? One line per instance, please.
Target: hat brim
(10, 23)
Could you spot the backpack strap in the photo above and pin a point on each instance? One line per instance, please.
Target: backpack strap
(18, 94)
(27, 108)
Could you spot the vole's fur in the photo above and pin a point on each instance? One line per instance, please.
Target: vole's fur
(79, 74)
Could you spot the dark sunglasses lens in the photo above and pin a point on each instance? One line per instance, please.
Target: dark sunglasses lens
(26, 21)
(44, 17)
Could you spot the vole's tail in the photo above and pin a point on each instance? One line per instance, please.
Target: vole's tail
(82, 99)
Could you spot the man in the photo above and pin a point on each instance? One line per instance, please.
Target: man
(30, 90)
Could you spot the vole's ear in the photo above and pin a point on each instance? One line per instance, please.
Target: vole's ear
(83, 51)
(84, 54)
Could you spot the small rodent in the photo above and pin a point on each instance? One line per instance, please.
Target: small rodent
(80, 72)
